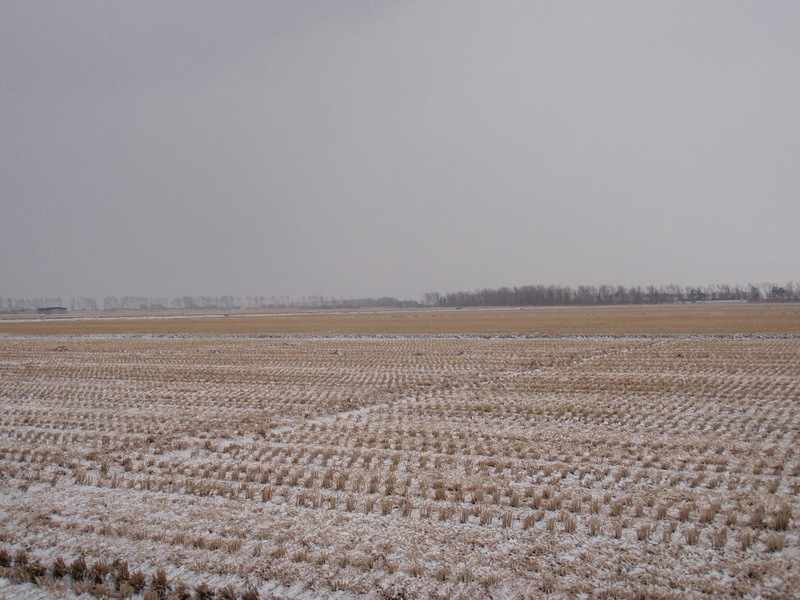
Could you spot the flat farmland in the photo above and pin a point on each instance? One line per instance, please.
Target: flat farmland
(662, 319)
(477, 463)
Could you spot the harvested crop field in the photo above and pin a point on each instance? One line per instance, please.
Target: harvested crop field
(661, 319)
(304, 466)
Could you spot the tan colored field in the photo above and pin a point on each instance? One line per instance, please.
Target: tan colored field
(405, 466)
(626, 320)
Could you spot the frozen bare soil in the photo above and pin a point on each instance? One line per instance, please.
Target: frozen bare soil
(400, 467)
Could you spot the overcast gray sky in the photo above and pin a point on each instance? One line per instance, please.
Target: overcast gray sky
(394, 148)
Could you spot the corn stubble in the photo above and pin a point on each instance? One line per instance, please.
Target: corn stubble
(409, 466)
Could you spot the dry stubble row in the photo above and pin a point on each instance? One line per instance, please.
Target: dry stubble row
(431, 465)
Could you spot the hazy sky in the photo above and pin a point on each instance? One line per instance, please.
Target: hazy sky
(394, 148)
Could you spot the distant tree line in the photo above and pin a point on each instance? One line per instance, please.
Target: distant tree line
(588, 295)
(528, 295)
(161, 303)
(20, 304)
(199, 302)
(249, 302)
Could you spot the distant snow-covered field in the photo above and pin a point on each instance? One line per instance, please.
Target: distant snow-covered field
(388, 466)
